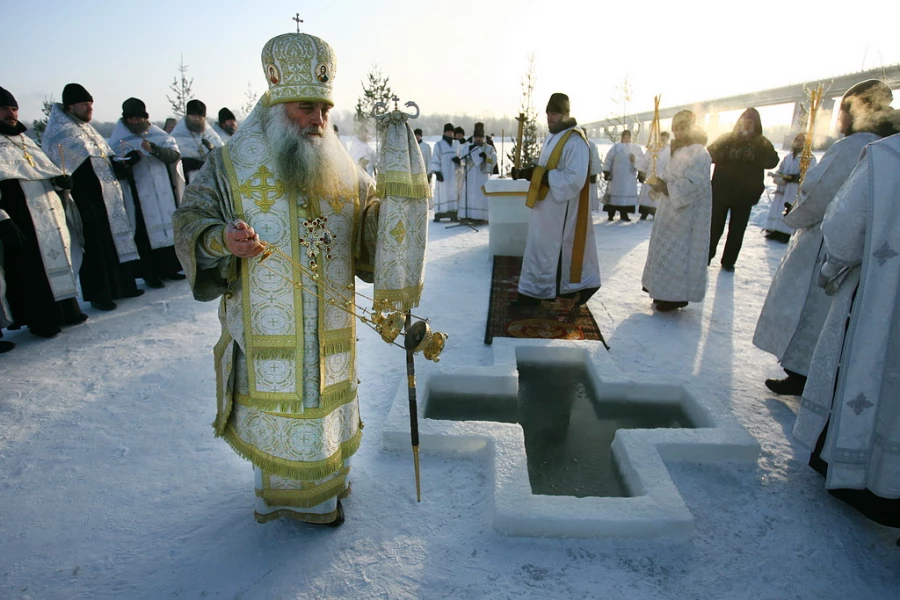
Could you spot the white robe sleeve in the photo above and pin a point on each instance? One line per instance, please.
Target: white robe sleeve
(567, 179)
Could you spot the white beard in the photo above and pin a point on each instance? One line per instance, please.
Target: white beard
(304, 161)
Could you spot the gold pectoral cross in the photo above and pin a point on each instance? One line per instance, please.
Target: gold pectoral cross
(29, 157)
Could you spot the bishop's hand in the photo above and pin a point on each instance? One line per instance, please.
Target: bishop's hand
(242, 240)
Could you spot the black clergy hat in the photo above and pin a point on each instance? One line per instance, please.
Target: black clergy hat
(558, 103)
(459, 130)
(418, 132)
(226, 115)
(7, 99)
(448, 127)
(195, 107)
(479, 130)
(134, 108)
(74, 93)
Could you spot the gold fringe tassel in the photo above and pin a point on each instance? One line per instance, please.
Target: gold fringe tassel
(290, 469)
(305, 498)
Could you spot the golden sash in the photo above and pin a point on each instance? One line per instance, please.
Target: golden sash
(538, 191)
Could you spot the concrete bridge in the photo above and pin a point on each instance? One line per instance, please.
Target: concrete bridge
(708, 111)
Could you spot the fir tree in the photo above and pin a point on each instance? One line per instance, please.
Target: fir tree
(181, 87)
(375, 91)
(250, 101)
(39, 126)
(531, 149)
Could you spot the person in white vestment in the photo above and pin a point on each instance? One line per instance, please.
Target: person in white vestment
(560, 258)
(675, 271)
(445, 167)
(787, 180)
(849, 414)
(286, 359)
(152, 190)
(647, 202)
(620, 169)
(39, 283)
(361, 150)
(227, 125)
(478, 160)
(594, 171)
(795, 307)
(195, 138)
(424, 148)
(77, 148)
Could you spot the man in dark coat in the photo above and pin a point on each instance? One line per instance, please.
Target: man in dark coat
(741, 158)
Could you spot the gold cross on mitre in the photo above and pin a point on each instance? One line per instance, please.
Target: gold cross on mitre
(298, 20)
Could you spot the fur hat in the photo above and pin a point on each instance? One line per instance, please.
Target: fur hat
(558, 103)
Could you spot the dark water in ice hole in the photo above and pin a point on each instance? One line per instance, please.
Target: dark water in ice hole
(567, 431)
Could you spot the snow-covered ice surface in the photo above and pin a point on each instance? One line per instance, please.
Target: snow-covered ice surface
(113, 485)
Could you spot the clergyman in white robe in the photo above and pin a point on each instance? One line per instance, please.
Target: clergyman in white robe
(853, 390)
(446, 189)
(787, 179)
(620, 167)
(474, 203)
(795, 307)
(155, 179)
(550, 245)
(675, 271)
(195, 147)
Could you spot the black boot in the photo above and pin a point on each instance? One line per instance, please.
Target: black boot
(667, 306)
(792, 385)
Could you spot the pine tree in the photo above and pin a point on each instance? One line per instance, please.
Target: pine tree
(39, 126)
(375, 91)
(250, 102)
(531, 149)
(181, 86)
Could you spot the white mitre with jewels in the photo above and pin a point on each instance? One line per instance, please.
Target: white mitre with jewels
(299, 68)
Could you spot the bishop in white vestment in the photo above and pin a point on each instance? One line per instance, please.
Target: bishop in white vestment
(286, 360)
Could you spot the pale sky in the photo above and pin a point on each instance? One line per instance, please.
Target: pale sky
(466, 56)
